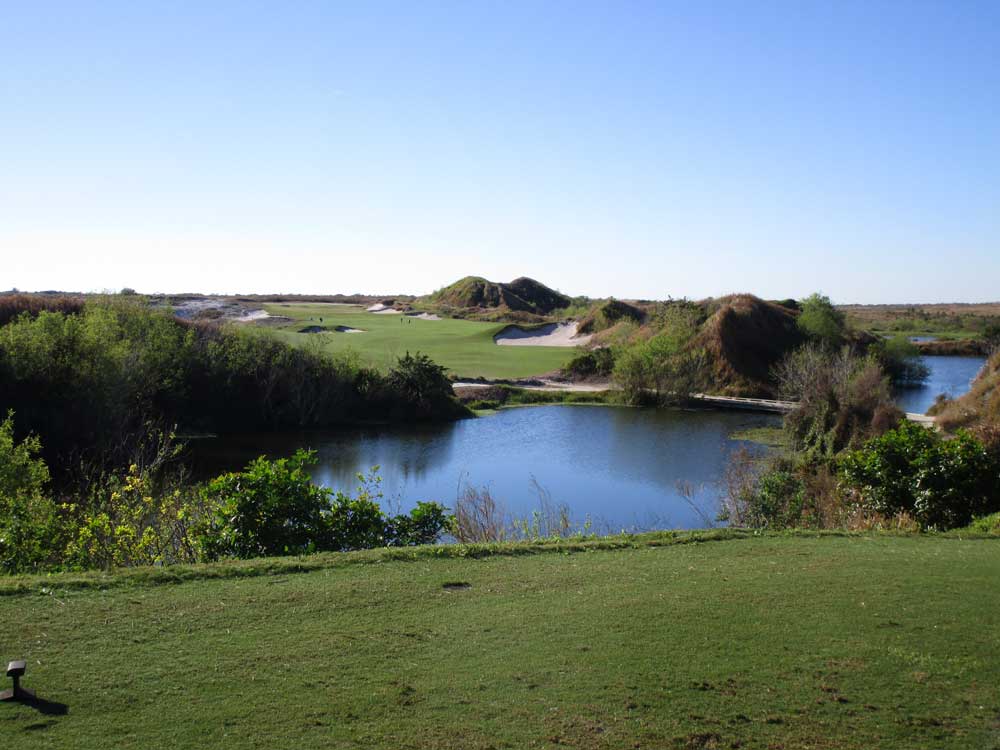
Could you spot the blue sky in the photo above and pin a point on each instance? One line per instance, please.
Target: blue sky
(635, 149)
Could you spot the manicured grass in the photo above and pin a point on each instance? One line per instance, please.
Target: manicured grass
(754, 642)
(465, 347)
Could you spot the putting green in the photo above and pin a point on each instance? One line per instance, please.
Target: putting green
(465, 347)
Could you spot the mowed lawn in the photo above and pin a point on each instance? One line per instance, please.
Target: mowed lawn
(465, 347)
(768, 642)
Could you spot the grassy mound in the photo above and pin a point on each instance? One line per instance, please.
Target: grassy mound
(772, 641)
(522, 295)
(609, 313)
(745, 338)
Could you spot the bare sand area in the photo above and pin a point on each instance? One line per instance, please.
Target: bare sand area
(380, 309)
(550, 334)
(337, 329)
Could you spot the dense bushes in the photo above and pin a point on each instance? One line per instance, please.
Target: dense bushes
(908, 477)
(592, 363)
(272, 508)
(27, 514)
(942, 483)
(93, 385)
(147, 515)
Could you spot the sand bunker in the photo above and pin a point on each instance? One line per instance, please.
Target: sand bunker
(337, 329)
(550, 334)
(380, 309)
(252, 315)
(423, 316)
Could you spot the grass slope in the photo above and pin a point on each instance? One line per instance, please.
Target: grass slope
(766, 642)
(465, 347)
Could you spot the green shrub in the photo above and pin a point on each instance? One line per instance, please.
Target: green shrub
(596, 362)
(942, 483)
(986, 525)
(273, 508)
(27, 513)
(422, 387)
(663, 369)
(821, 321)
(483, 405)
(901, 361)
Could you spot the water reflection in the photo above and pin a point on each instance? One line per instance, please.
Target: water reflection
(949, 375)
(621, 468)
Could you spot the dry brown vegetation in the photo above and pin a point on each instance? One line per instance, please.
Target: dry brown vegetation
(882, 312)
(954, 347)
(745, 338)
(13, 305)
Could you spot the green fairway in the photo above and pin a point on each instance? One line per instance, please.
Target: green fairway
(767, 642)
(465, 347)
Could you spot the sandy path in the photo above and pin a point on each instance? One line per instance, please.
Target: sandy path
(550, 334)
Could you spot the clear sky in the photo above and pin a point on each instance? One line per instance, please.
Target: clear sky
(635, 149)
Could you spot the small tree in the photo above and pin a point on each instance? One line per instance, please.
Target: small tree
(423, 385)
(821, 321)
(842, 399)
(901, 361)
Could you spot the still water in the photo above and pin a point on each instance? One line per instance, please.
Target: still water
(618, 467)
(949, 375)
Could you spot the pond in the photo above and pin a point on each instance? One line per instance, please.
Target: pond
(617, 467)
(950, 375)
(614, 467)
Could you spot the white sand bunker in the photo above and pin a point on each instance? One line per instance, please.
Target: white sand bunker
(550, 334)
(380, 309)
(423, 316)
(336, 329)
(252, 315)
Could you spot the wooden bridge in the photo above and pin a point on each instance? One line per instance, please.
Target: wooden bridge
(777, 407)
(770, 406)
